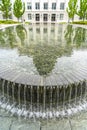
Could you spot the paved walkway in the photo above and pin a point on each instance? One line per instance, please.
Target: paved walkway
(9, 122)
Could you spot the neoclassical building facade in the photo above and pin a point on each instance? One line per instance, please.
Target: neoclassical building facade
(44, 11)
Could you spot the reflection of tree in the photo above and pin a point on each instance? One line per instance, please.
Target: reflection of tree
(10, 37)
(7, 37)
(79, 37)
(2, 39)
(75, 36)
(69, 34)
(45, 56)
(21, 32)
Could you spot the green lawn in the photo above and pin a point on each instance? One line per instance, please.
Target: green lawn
(80, 22)
(8, 22)
(16, 22)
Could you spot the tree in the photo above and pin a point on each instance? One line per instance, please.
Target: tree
(21, 33)
(18, 9)
(69, 31)
(5, 7)
(82, 9)
(71, 9)
(79, 37)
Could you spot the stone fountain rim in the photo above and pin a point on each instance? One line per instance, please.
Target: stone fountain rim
(60, 80)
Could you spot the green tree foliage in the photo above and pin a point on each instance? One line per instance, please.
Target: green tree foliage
(18, 9)
(68, 34)
(8, 38)
(71, 9)
(80, 36)
(11, 38)
(75, 37)
(5, 7)
(82, 11)
(21, 32)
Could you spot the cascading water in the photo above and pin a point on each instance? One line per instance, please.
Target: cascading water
(42, 101)
(42, 75)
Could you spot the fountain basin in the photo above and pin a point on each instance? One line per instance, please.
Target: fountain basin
(43, 74)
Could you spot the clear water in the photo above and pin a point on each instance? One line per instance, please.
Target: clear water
(43, 49)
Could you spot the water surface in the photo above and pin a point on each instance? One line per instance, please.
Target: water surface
(43, 49)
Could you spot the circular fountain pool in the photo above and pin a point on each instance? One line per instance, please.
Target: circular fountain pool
(43, 70)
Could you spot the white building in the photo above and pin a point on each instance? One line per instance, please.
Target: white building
(44, 11)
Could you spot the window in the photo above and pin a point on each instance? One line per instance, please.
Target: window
(29, 17)
(62, 6)
(53, 6)
(53, 17)
(37, 5)
(46, 5)
(29, 5)
(61, 16)
(10, 17)
(45, 17)
(37, 17)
